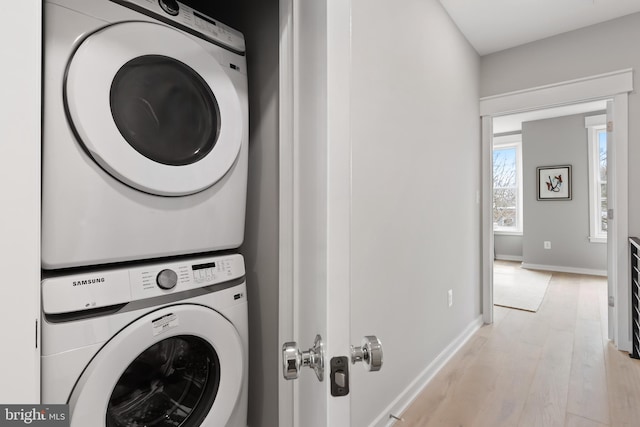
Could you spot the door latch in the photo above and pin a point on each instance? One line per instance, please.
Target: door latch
(339, 376)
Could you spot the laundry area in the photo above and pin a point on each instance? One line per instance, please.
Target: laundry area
(143, 299)
(330, 194)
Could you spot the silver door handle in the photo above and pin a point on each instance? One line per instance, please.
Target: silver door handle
(293, 359)
(370, 352)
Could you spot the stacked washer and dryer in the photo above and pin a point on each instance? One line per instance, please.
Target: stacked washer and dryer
(143, 204)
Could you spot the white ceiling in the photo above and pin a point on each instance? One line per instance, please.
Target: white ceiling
(513, 122)
(494, 25)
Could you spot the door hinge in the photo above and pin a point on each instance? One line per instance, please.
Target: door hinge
(609, 213)
(610, 126)
(611, 301)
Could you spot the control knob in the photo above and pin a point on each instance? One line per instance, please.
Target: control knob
(167, 279)
(170, 6)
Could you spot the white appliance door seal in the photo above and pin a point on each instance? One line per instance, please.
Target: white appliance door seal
(92, 399)
(118, 51)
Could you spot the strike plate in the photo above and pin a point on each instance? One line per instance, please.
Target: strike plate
(339, 376)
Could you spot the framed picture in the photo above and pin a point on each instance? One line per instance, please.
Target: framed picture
(554, 182)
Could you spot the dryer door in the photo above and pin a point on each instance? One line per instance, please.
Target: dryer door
(154, 108)
(178, 366)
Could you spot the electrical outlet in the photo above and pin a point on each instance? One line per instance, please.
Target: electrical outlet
(547, 245)
(450, 297)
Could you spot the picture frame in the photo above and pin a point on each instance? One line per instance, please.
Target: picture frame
(554, 182)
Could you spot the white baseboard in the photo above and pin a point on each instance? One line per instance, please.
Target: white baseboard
(508, 257)
(561, 269)
(402, 402)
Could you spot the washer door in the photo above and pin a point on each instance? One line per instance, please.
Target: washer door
(177, 366)
(154, 108)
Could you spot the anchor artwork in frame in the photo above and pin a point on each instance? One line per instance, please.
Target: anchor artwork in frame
(554, 182)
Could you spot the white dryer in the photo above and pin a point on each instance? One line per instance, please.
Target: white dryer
(154, 345)
(145, 132)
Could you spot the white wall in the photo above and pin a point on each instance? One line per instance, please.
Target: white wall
(416, 171)
(21, 30)
(593, 50)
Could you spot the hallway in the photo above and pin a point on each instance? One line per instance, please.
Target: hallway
(550, 368)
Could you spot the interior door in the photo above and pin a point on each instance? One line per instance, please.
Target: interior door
(315, 202)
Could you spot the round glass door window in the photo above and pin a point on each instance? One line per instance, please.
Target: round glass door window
(155, 109)
(165, 110)
(172, 383)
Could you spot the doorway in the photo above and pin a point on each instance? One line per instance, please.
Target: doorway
(613, 86)
(542, 229)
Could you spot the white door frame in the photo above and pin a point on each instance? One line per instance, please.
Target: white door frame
(286, 304)
(315, 199)
(616, 86)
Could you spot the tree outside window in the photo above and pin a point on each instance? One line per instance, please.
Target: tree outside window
(507, 184)
(597, 149)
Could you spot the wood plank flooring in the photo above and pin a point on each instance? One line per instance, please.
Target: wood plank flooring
(550, 368)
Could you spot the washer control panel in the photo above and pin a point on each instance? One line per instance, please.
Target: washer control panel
(191, 19)
(90, 290)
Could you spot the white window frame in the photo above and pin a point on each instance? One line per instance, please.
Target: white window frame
(594, 124)
(508, 141)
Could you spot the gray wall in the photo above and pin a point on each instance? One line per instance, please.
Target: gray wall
(415, 173)
(259, 21)
(601, 48)
(558, 141)
(261, 28)
(507, 247)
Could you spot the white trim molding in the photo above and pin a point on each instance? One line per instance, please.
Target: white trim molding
(595, 125)
(406, 398)
(561, 269)
(568, 92)
(508, 257)
(286, 207)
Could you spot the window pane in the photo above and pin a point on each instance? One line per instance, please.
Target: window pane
(505, 188)
(602, 154)
(504, 167)
(603, 223)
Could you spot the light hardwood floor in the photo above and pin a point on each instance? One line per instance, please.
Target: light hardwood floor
(551, 368)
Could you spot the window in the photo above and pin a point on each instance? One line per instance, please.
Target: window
(507, 184)
(597, 146)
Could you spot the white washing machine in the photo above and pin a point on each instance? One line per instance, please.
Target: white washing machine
(145, 132)
(158, 345)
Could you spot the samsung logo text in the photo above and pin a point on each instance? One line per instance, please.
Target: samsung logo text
(88, 281)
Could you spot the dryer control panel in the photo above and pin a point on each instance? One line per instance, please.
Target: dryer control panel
(190, 20)
(96, 289)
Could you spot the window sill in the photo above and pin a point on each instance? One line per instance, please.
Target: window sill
(507, 233)
(597, 239)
